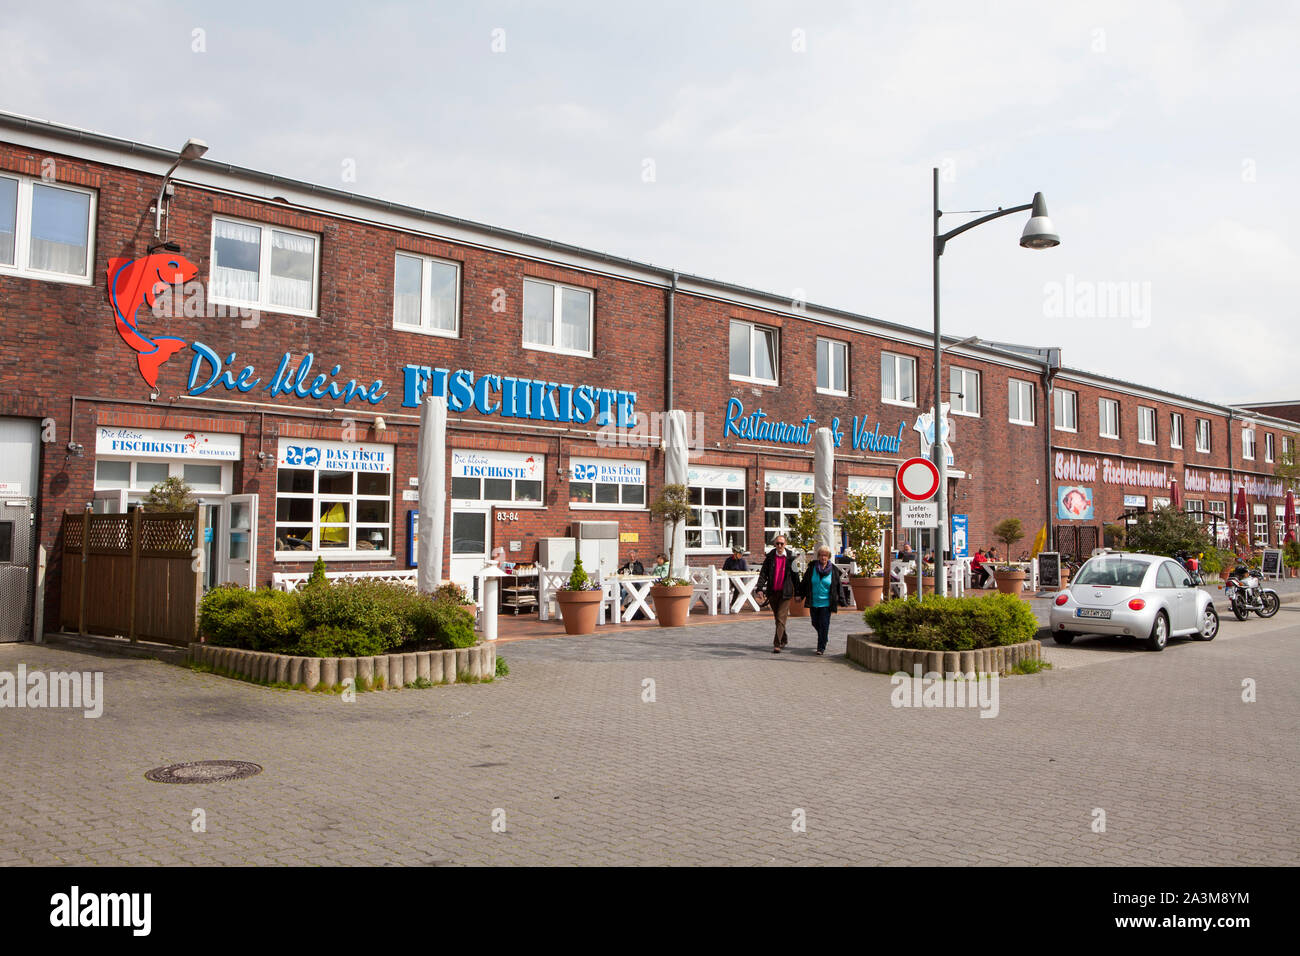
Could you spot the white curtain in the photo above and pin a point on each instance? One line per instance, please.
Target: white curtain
(293, 260)
(228, 283)
(49, 256)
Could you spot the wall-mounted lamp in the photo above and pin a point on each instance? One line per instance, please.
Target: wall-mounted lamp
(76, 449)
(380, 424)
(193, 149)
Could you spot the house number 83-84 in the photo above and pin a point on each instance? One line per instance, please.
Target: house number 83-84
(507, 515)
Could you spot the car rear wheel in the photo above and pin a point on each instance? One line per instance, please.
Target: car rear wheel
(1209, 624)
(1159, 633)
(1062, 637)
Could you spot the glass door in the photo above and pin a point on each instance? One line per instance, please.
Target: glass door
(469, 547)
(239, 539)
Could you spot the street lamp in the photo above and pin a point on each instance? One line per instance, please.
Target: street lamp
(193, 149)
(1039, 233)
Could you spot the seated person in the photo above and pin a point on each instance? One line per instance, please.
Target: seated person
(978, 573)
(660, 570)
(737, 560)
(631, 565)
(905, 552)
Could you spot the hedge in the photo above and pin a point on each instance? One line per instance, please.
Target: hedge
(347, 619)
(952, 624)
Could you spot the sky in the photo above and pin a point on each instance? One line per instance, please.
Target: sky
(782, 146)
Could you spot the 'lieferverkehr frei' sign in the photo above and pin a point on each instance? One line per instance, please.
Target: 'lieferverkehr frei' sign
(756, 426)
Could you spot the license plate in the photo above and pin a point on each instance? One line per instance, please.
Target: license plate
(1104, 614)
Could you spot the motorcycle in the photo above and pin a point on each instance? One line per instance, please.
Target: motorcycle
(1191, 565)
(1245, 593)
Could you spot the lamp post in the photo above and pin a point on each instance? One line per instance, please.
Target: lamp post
(192, 150)
(1038, 234)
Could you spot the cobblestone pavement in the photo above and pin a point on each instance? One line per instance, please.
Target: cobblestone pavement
(736, 743)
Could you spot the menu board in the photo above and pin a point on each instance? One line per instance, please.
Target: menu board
(1049, 570)
(1272, 566)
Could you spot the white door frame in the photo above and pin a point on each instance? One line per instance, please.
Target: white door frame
(241, 572)
(456, 564)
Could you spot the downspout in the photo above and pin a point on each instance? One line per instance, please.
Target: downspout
(1051, 367)
(1232, 481)
(668, 345)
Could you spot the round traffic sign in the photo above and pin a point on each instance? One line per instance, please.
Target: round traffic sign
(917, 479)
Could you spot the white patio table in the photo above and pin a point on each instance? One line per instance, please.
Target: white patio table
(742, 584)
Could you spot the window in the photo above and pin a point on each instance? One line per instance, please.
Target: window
(139, 476)
(1268, 446)
(964, 385)
(785, 493)
(1218, 508)
(1146, 425)
(557, 318)
(1195, 509)
(1203, 435)
(1108, 418)
(832, 367)
(263, 267)
(333, 499)
(1260, 524)
(1175, 430)
(1288, 447)
(1248, 443)
(1021, 402)
(599, 482)
(753, 352)
(897, 379)
(497, 477)
(717, 500)
(1067, 410)
(426, 295)
(45, 229)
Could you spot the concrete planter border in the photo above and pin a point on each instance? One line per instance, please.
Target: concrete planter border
(987, 660)
(472, 664)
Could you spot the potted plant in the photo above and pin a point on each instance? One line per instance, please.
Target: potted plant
(864, 527)
(805, 530)
(1291, 551)
(1011, 580)
(672, 595)
(579, 600)
(451, 591)
(927, 580)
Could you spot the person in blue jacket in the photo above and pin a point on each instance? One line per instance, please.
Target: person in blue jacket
(820, 590)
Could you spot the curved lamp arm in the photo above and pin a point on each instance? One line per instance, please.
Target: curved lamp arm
(941, 241)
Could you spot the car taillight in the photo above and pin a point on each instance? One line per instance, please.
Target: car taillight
(1136, 604)
(1062, 598)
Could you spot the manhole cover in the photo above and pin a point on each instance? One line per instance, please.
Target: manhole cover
(203, 771)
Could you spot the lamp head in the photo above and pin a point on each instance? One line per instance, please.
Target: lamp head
(1039, 232)
(193, 149)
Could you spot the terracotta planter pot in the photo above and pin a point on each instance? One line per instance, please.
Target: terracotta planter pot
(672, 604)
(1011, 582)
(867, 590)
(797, 608)
(580, 610)
(928, 585)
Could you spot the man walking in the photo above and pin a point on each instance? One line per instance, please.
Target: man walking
(777, 582)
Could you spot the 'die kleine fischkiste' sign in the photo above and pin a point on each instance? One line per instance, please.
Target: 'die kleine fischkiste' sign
(756, 426)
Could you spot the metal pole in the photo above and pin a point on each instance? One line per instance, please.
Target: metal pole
(936, 449)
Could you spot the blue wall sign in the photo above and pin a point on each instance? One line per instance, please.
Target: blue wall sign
(960, 538)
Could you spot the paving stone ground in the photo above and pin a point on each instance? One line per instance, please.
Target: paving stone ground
(736, 741)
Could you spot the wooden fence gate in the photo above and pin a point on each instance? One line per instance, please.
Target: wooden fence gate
(132, 574)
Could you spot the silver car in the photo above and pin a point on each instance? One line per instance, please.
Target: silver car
(1139, 595)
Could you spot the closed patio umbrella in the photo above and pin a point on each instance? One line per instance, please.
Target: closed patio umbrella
(432, 470)
(1175, 495)
(1288, 515)
(1241, 518)
(824, 486)
(676, 455)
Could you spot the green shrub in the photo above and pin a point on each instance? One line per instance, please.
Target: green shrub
(452, 592)
(330, 640)
(1165, 531)
(374, 614)
(318, 574)
(453, 625)
(953, 624)
(224, 617)
(502, 667)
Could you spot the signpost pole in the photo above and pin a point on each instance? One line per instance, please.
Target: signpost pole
(936, 448)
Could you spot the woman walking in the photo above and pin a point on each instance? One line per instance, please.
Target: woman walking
(820, 589)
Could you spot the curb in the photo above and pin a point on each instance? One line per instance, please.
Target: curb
(987, 660)
(464, 664)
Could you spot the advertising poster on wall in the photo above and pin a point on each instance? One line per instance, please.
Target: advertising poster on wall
(960, 536)
(1074, 503)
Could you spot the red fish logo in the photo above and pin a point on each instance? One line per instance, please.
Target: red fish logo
(136, 282)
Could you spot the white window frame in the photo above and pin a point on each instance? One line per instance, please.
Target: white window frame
(1175, 430)
(723, 529)
(355, 527)
(1023, 388)
(577, 504)
(965, 391)
(1102, 403)
(264, 268)
(557, 312)
(23, 232)
(776, 353)
(1268, 447)
(834, 347)
(1146, 414)
(1248, 444)
(898, 360)
(1208, 434)
(426, 292)
(1195, 508)
(1074, 410)
(1258, 520)
(138, 489)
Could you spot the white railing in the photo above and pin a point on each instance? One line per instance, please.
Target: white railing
(296, 580)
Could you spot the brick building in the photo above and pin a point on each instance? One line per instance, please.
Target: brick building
(281, 379)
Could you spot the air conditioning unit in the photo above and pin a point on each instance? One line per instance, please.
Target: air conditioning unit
(597, 546)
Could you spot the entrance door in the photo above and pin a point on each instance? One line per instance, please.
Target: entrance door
(469, 548)
(213, 569)
(239, 540)
(16, 560)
